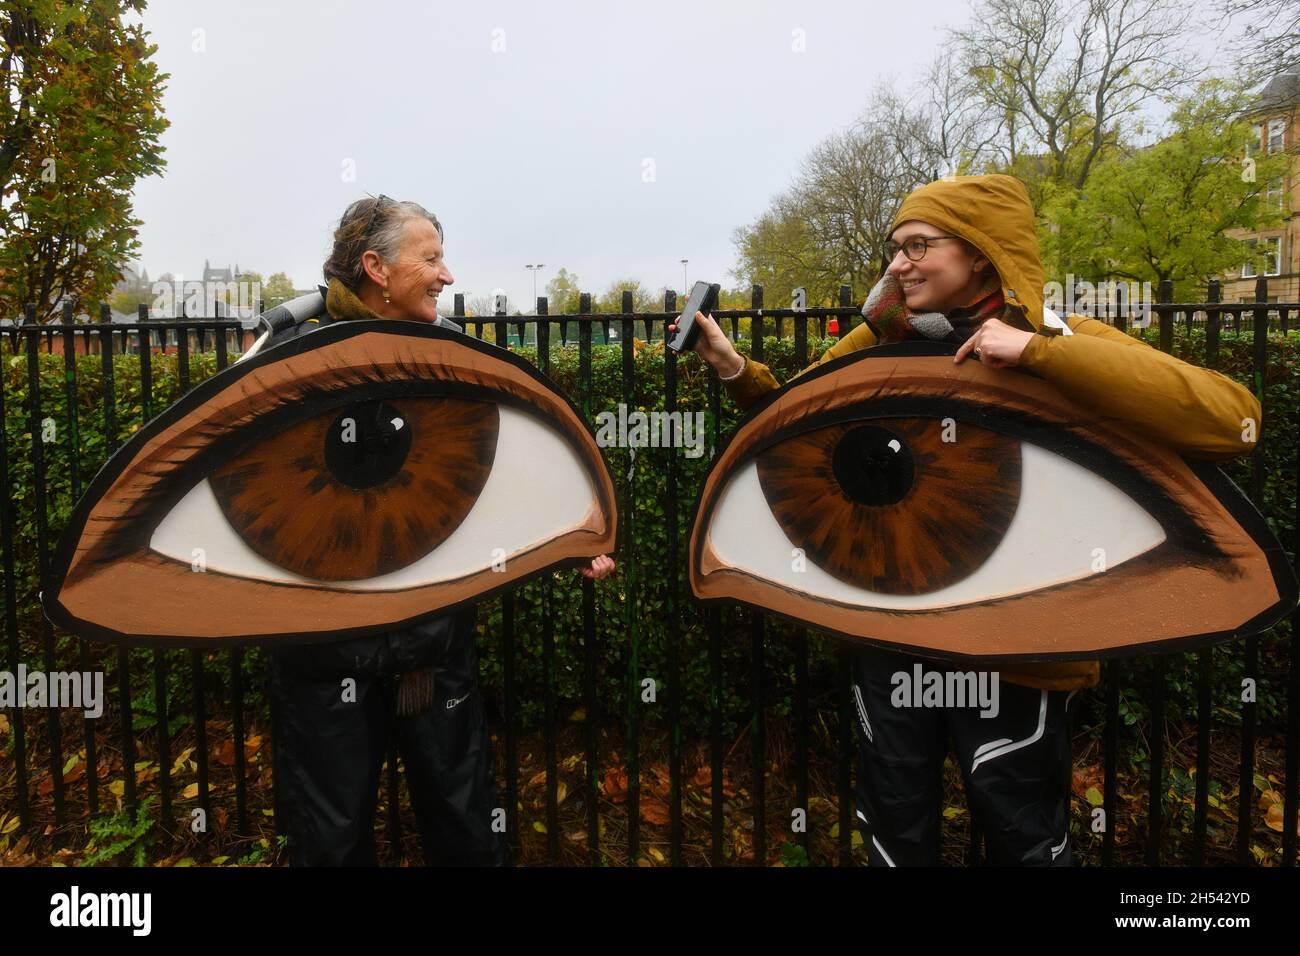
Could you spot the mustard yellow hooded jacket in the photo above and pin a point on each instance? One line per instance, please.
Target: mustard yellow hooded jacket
(1195, 411)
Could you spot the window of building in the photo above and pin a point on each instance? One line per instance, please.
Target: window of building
(1276, 130)
(1252, 147)
(1266, 254)
(1273, 195)
(1273, 252)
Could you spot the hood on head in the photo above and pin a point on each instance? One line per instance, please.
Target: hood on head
(993, 213)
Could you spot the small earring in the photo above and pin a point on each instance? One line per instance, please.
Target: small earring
(386, 298)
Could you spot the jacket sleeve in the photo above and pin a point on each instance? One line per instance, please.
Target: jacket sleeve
(756, 379)
(1195, 411)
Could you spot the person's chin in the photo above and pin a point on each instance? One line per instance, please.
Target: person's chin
(918, 302)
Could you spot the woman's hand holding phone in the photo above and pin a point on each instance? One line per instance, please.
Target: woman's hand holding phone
(712, 345)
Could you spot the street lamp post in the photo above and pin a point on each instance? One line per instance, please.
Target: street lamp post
(684, 261)
(533, 269)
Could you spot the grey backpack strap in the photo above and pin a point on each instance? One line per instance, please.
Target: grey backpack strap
(312, 306)
(288, 315)
(295, 311)
(291, 314)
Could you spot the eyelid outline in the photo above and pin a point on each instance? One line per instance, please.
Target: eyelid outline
(282, 414)
(479, 363)
(796, 408)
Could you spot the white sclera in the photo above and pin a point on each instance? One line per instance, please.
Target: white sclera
(537, 490)
(1065, 512)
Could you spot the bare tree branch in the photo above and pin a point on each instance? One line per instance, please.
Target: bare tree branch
(1072, 77)
(1270, 40)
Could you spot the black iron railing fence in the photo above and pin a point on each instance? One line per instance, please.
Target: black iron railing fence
(24, 343)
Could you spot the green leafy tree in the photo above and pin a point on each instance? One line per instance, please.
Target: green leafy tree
(562, 292)
(129, 303)
(1163, 212)
(643, 300)
(80, 123)
(275, 290)
(778, 252)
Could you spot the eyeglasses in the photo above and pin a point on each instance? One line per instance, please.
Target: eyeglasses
(914, 248)
(374, 211)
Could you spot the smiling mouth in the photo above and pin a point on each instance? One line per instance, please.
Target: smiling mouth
(912, 284)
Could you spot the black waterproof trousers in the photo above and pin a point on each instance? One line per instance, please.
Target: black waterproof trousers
(331, 737)
(1016, 767)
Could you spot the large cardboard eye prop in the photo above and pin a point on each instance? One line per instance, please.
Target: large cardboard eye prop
(960, 511)
(344, 483)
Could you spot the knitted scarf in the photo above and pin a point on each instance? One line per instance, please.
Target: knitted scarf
(887, 314)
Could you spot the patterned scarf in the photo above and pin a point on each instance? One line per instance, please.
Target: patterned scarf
(887, 314)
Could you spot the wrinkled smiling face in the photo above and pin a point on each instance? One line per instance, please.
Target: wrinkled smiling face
(945, 278)
(419, 274)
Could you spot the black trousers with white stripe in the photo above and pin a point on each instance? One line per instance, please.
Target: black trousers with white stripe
(1016, 768)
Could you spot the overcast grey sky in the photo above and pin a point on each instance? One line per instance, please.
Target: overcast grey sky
(525, 127)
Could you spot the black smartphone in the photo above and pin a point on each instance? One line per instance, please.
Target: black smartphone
(703, 298)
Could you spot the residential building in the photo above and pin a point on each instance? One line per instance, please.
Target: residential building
(1276, 117)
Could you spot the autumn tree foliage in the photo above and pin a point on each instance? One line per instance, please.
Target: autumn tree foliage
(80, 123)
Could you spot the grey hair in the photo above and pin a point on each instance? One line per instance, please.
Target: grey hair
(377, 224)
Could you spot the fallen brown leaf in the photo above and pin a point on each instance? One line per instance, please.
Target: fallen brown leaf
(1085, 777)
(655, 811)
(614, 785)
(658, 781)
(224, 755)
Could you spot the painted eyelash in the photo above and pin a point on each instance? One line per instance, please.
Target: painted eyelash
(337, 380)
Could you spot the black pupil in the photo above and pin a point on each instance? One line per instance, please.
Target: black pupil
(367, 444)
(873, 466)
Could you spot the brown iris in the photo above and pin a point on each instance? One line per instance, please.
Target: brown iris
(364, 491)
(887, 505)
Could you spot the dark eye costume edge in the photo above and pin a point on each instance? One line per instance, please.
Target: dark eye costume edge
(1180, 529)
(59, 617)
(269, 424)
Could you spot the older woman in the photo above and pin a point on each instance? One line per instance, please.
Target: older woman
(387, 262)
(964, 268)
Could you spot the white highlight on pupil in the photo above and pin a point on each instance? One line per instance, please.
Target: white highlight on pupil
(537, 491)
(1064, 512)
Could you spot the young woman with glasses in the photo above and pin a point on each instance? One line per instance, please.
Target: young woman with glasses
(964, 268)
